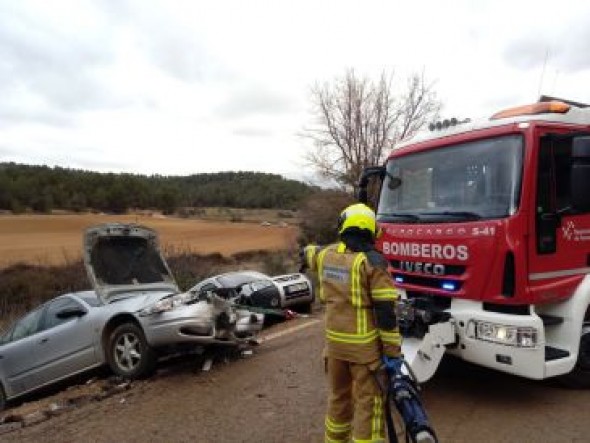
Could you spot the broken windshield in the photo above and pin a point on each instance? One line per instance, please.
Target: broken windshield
(470, 181)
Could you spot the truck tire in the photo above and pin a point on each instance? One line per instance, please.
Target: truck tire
(128, 352)
(579, 377)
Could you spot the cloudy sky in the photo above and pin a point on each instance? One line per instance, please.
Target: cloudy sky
(179, 87)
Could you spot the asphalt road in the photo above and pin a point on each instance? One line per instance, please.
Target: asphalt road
(278, 395)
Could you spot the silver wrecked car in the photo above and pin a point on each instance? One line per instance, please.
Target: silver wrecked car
(134, 311)
(256, 289)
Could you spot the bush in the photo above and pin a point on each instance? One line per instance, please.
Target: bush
(22, 287)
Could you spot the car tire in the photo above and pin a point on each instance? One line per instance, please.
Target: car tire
(274, 302)
(2, 398)
(128, 353)
(579, 377)
(306, 308)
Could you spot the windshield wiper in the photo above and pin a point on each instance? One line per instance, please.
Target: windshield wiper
(459, 214)
(412, 218)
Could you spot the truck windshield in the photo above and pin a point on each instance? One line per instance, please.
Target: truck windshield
(470, 181)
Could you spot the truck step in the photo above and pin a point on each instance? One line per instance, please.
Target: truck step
(551, 320)
(552, 353)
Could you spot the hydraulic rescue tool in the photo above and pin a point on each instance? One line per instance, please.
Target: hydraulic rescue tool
(403, 391)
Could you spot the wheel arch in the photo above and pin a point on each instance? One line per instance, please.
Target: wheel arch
(113, 323)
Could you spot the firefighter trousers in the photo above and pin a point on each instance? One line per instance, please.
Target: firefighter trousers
(355, 404)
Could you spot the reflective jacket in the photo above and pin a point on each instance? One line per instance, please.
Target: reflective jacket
(360, 299)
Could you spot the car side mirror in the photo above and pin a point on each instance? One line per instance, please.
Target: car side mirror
(71, 312)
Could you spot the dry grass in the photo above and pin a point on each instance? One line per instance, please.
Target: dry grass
(57, 239)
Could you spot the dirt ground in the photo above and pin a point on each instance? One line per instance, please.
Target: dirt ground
(57, 239)
(279, 395)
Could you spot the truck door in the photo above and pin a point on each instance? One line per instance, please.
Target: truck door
(560, 247)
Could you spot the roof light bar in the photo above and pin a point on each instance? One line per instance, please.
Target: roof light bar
(536, 108)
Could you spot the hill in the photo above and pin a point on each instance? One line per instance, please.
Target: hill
(43, 188)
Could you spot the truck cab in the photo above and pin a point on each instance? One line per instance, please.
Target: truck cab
(486, 227)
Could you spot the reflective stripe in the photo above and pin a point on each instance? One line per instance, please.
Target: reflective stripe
(372, 440)
(341, 429)
(343, 337)
(310, 252)
(384, 294)
(336, 427)
(320, 263)
(377, 422)
(394, 338)
(356, 294)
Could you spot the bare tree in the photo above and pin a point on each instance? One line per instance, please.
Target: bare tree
(359, 121)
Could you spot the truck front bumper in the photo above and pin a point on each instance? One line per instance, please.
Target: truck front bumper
(509, 343)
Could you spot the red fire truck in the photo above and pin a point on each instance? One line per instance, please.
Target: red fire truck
(486, 226)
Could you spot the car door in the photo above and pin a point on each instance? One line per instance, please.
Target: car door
(67, 343)
(19, 358)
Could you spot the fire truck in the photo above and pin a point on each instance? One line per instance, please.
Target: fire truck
(486, 227)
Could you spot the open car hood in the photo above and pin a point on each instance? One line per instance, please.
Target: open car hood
(125, 258)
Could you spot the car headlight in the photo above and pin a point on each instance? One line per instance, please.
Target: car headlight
(167, 304)
(520, 336)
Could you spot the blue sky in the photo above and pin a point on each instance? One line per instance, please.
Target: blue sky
(180, 87)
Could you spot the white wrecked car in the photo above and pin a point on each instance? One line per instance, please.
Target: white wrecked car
(134, 310)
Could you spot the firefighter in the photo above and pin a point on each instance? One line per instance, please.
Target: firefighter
(361, 329)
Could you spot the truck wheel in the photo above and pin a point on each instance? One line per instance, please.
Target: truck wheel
(128, 353)
(580, 375)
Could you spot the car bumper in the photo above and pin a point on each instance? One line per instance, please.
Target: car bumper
(297, 299)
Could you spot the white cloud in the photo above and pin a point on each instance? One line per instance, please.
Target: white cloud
(179, 87)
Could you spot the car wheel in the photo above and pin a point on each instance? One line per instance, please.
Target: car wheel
(579, 377)
(275, 301)
(306, 308)
(129, 355)
(2, 398)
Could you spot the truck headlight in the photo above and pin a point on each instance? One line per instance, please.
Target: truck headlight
(520, 336)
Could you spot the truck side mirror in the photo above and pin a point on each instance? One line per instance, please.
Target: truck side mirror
(368, 173)
(580, 175)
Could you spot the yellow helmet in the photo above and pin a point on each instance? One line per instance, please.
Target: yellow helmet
(358, 216)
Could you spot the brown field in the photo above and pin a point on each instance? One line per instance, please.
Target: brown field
(57, 239)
